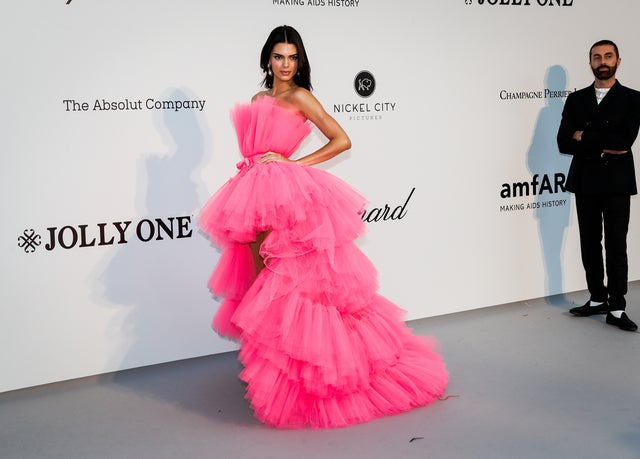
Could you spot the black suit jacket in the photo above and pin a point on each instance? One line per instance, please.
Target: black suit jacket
(611, 125)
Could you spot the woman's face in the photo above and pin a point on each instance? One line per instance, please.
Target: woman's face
(284, 61)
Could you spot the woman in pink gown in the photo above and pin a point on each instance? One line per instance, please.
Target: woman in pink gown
(320, 347)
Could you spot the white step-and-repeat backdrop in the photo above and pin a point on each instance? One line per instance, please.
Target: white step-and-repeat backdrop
(116, 130)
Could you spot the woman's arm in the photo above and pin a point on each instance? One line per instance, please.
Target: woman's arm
(313, 110)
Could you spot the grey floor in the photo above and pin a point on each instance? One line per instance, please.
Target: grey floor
(528, 380)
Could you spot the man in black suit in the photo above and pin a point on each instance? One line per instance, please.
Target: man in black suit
(599, 125)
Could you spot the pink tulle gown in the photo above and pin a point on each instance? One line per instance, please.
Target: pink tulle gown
(320, 348)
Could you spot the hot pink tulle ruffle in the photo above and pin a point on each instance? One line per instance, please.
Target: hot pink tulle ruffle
(320, 347)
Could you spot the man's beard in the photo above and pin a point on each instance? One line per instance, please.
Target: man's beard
(604, 72)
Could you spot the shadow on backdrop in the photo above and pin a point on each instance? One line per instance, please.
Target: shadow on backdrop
(545, 158)
(158, 289)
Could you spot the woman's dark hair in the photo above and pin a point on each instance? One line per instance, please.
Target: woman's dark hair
(286, 34)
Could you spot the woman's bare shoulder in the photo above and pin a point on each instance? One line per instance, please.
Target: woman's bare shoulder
(304, 100)
(260, 94)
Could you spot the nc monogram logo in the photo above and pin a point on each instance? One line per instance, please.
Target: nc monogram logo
(364, 83)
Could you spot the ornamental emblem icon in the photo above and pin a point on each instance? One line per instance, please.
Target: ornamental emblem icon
(29, 240)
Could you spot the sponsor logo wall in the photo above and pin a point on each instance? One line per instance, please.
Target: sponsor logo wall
(117, 130)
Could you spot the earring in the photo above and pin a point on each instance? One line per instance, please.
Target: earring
(269, 71)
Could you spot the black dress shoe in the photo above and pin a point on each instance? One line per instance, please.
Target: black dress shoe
(623, 323)
(586, 310)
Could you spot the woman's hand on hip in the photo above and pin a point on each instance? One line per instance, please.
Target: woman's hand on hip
(271, 156)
